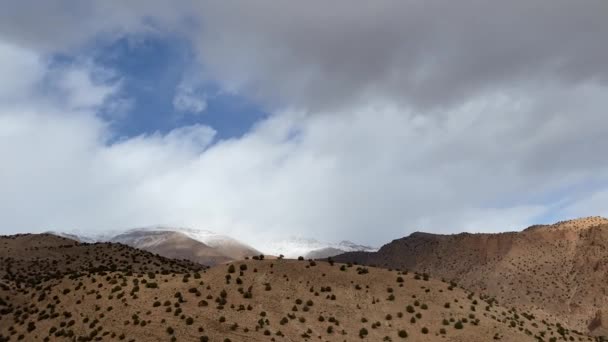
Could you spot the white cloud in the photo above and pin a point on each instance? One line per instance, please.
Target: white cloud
(383, 126)
(368, 175)
(20, 69)
(186, 100)
(82, 91)
(592, 204)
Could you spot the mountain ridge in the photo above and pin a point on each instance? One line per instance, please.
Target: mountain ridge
(560, 268)
(292, 247)
(53, 288)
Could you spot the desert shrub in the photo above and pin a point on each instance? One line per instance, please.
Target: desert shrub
(362, 270)
(402, 333)
(363, 332)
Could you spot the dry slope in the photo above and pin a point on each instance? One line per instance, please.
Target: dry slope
(561, 269)
(254, 300)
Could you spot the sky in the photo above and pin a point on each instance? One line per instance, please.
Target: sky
(363, 121)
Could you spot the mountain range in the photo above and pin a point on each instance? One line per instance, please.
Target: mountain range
(209, 248)
(554, 276)
(57, 289)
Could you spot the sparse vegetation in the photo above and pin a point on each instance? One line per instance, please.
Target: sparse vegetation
(145, 293)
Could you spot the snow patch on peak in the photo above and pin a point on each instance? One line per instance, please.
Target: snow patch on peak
(150, 236)
(205, 236)
(82, 237)
(294, 247)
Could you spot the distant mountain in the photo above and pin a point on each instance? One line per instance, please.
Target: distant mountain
(71, 236)
(210, 248)
(83, 236)
(222, 244)
(561, 268)
(198, 245)
(175, 245)
(312, 249)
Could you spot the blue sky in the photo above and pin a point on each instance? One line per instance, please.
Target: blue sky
(151, 68)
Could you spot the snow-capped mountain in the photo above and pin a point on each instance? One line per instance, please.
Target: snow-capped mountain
(199, 245)
(149, 237)
(207, 237)
(209, 247)
(83, 237)
(311, 248)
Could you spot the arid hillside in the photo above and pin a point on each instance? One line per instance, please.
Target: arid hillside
(561, 269)
(50, 293)
(30, 259)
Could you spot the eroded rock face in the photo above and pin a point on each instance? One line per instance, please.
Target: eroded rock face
(561, 269)
(598, 325)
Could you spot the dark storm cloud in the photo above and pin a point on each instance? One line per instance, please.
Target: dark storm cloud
(422, 53)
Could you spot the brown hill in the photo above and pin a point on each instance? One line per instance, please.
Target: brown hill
(560, 269)
(253, 300)
(176, 244)
(34, 258)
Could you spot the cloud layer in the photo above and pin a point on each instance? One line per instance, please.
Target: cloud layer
(387, 119)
